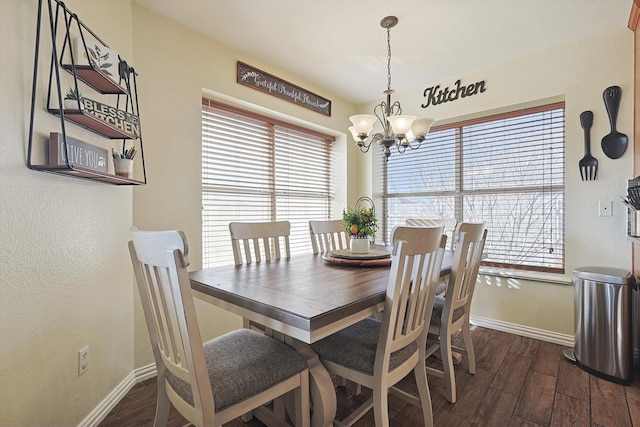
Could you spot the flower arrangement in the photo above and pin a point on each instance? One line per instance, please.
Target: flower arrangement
(360, 221)
(73, 99)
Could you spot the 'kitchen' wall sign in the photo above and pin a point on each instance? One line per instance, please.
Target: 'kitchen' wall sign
(434, 95)
(267, 83)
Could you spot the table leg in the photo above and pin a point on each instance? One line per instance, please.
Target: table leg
(323, 395)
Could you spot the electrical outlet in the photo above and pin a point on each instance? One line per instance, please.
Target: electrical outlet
(605, 207)
(83, 360)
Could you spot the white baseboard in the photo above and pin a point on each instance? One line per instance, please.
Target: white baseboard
(525, 331)
(100, 412)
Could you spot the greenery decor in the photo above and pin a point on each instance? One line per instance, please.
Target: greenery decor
(360, 221)
(73, 94)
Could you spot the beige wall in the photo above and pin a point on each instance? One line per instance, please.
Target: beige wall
(577, 73)
(65, 273)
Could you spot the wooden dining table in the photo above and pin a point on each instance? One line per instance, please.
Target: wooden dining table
(305, 298)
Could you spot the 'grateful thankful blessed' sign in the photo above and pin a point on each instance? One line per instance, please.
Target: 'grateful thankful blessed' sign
(264, 82)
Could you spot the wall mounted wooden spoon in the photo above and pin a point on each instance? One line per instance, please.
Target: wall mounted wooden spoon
(615, 143)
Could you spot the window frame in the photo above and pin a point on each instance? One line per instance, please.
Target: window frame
(273, 133)
(459, 192)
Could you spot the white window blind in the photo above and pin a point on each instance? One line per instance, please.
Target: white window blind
(505, 170)
(257, 169)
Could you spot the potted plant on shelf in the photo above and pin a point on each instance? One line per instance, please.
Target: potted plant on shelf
(361, 224)
(73, 99)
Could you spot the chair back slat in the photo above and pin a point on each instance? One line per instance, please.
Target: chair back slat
(415, 270)
(246, 236)
(327, 236)
(165, 305)
(466, 263)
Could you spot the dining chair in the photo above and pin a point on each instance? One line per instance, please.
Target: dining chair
(327, 236)
(449, 226)
(246, 237)
(379, 353)
(209, 384)
(451, 311)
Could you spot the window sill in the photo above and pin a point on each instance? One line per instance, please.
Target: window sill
(536, 276)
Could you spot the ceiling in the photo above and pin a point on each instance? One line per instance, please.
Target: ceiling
(339, 44)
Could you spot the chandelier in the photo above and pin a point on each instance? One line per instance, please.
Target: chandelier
(399, 130)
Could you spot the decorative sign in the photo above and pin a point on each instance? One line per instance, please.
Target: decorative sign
(434, 95)
(265, 82)
(126, 122)
(99, 56)
(80, 153)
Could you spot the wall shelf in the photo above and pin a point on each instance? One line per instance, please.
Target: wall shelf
(104, 119)
(95, 79)
(93, 124)
(82, 172)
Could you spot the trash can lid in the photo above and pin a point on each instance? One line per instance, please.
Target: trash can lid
(605, 274)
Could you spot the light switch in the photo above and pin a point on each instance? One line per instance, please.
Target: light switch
(605, 207)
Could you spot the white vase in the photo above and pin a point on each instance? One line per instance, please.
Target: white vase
(359, 245)
(71, 104)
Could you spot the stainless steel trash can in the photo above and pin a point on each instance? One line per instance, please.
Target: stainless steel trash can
(603, 307)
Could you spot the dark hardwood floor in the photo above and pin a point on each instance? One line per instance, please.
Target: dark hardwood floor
(518, 382)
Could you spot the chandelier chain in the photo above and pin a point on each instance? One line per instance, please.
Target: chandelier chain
(388, 58)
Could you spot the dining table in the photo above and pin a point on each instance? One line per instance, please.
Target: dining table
(304, 298)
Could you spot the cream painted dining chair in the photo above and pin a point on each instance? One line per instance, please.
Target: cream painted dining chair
(451, 311)
(259, 240)
(327, 236)
(210, 384)
(268, 240)
(449, 226)
(378, 354)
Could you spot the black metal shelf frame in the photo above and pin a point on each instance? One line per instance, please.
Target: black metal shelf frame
(125, 89)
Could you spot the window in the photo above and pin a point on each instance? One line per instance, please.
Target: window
(258, 169)
(505, 170)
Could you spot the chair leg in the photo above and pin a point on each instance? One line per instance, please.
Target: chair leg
(381, 406)
(302, 409)
(163, 406)
(447, 362)
(468, 345)
(420, 372)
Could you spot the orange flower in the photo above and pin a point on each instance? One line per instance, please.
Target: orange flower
(354, 229)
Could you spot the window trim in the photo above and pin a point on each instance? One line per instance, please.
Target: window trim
(458, 193)
(271, 120)
(278, 135)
